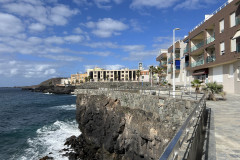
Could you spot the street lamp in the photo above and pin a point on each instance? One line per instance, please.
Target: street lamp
(174, 60)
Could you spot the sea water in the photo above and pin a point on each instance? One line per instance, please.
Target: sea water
(33, 125)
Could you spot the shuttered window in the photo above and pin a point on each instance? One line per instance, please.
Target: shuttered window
(232, 20)
(222, 48)
(221, 24)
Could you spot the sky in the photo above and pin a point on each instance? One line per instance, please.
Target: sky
(42, 39)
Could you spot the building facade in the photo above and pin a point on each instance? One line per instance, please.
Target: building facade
(144, 77)
(212, 49)
(165, 59)
(102, 75)
(78, 78)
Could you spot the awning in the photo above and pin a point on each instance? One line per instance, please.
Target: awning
(237, 34)
(200, 72)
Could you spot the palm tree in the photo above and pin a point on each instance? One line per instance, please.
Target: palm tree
(197, 84)
(138, 74)
(151, 70)
(160, 73)
(214, 88)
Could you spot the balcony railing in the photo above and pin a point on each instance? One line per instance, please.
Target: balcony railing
(200, 44)
(210, 59)
(163, 63)
(169, 60)
(186, 49)
(186, 64)
(197, 63)
(177, 55)
(210, 39)
(237, 20)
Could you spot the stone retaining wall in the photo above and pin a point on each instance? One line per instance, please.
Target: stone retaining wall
(166, 108)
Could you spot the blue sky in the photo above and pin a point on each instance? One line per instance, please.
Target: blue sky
(41, 39)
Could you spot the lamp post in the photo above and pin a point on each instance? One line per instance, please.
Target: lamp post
(174, 60)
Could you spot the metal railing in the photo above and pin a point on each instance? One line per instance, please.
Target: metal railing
(210, 39)
(177, 55)
(216, 11)
(237, 20)
(193, 122)
(197, 46)
(186, 49)
(186, 64)
(197, 63)
(210, 59)
(163, 63)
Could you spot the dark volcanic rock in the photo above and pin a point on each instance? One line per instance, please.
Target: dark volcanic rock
(49, 86)
(111, 131)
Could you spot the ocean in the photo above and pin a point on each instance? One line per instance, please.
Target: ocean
(33, 124)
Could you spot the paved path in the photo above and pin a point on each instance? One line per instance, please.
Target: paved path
(224, 137)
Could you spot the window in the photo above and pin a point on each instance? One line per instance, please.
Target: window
(232, 19)
(122, 71)
(221, 24)
(230, 75)
(233, 45)
(111, 71)
(222, 48)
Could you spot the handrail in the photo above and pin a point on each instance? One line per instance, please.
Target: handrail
(216, 11)
(173, 147)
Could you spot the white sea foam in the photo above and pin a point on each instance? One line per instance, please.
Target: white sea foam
(50, 139)
(66, 107)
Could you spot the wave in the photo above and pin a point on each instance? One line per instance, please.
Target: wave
(47, 93)
(50, 141)
(65, 107)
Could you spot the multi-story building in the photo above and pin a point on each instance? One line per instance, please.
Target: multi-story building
(166, 62)
(163, 62)
(78, 78)
(212, 51)
(99, 74)
(144, 76)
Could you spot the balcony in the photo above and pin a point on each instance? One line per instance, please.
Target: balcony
(210, 59)
(163, 63)
(186, 50)
(177, 55)
(210, 39)
(198, 45)
(237, 20)
(197, 63)
(169, 60)
(186, 64)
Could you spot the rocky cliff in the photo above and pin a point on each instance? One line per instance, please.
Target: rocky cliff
(112, 131)
(49, 86)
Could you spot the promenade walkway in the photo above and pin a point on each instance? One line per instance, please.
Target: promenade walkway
(224, 135)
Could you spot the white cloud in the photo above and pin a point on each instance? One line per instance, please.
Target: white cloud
(78, 30)
(133, 47)
(135, 25)
(27, 70)
(63, 58)
(73, 38)
(194, 4)
(101, 45)
(10, 25)
(107, 67)
(54, 40)
(56, 15)
(141, 55)
(138, 4)
(37, 27)
(107, 27)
